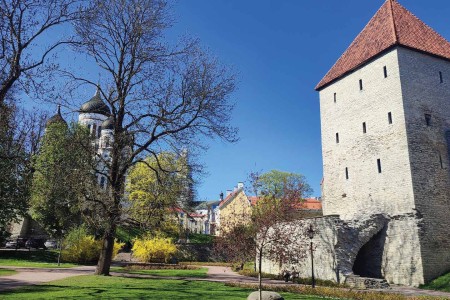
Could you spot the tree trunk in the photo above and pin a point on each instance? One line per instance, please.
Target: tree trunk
(104, 262)
(260, 274)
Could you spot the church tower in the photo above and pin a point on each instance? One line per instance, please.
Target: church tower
(385, 118)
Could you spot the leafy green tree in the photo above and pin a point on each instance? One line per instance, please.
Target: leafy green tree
(62, 167)
(155, 186)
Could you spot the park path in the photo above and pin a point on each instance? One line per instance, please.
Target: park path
(31, 276)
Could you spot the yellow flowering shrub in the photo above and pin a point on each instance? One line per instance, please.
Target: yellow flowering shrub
(79, 247)
(154, 249)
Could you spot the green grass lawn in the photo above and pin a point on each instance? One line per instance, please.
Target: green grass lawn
(439, 284)
(199, 273)
(32, 259)
(7, 272)
(93, 287)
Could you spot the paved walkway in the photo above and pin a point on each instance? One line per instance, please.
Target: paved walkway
(31, 276)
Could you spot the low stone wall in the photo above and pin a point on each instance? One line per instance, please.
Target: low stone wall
(376, 246)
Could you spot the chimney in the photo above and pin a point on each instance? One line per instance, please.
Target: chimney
(240, 185)
(229, 192)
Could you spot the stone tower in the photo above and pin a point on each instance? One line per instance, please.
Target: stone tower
(385, 117)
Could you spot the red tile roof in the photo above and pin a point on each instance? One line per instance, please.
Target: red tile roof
(392, 25)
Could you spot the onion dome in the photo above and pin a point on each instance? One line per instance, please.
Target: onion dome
(56, 119)
(108, 124)
(95, 105)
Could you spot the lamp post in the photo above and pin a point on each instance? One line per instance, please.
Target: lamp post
(311, 233)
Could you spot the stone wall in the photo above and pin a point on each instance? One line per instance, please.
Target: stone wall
(424, 93)
(366, 191)
(382, 246)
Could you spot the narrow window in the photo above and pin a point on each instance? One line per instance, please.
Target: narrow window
(94, 129)
(385, 71)
(346, 173)
(390, 117)
(364, 128)
(99, 130)
(360, 85)
(89, 128)
(379, 165)
(428, 119)
(337, 138)
(334, 97)
(440, 161)
(441, 79)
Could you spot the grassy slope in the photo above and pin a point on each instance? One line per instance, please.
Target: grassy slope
(89, 287)
(439, 284)
(32, 259)
(6, 272)
(200, 273)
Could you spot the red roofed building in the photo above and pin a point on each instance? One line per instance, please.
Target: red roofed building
(385, 121)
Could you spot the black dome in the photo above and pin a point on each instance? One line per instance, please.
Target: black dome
(95, 105)
(56, 118)
(108, 123)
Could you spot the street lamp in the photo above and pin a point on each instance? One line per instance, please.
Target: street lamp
(311, 233)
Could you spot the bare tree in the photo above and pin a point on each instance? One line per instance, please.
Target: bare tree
(23, 54)
(161, 98)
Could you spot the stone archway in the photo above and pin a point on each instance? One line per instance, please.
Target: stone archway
(369, 259)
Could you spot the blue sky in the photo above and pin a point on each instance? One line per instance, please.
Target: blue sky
(280, 49)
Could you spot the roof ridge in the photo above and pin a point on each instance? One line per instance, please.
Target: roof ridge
(391, 2)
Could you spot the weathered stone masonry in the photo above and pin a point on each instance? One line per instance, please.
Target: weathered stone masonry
(385, 117)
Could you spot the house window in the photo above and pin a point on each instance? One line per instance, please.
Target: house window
(334, 97)
(346, 173)
(364, 127)
(360, 85)
(94, 129)
(99, 130)
(379, 165)
(390, 117)
(428, 119)
(337, 138)
(385, 72)
(441, 79)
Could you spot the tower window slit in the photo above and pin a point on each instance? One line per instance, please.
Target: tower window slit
(346, 173)
(379, 165)
(441, 79)
(428, 119)
(337, 138)
(360, 85)
(440, 161)
(334, 97)
(390, 117)
(364, 127)
(385, 72)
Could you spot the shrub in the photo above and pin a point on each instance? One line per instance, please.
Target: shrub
(80, 247)
(154, 249)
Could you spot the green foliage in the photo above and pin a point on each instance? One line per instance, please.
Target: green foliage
(80, 247)
(279, 184)
(62, 166)
(155, 186)
(14, 168)
(198, 238)
(441, 283)
(154, 249)
(128, 233)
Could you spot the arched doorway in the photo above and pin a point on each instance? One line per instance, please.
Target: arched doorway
(369, 259)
